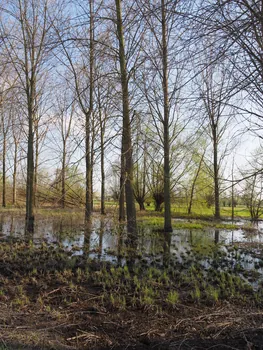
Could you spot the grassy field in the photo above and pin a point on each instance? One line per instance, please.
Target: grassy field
(198, 212)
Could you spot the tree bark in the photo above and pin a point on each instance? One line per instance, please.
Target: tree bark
(36, 164)
(193, 185)
(30, 170)
(63, 176)
(216, 179)
(88, 206)
(102, 167)
(166, 138)
(4, 172)
(126, 138)
(14, 172)
(122, 185)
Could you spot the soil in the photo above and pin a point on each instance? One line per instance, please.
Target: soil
(57, 307)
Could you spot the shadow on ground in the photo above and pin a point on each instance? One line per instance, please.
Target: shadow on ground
(246, 340)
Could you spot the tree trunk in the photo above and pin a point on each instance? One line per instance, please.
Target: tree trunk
(126, 139)
(232, 194)
(216, 179)
(14, 173)
(63, 176)
(193, 185)
(166, 138)
(122, 185)
(141, 204)
(88, 206)
(30, 171)
(102, 169)
(4, 172)
(158, 206)
(92, 154)
(36, 165)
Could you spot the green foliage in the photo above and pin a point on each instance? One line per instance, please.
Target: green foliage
(172, 297)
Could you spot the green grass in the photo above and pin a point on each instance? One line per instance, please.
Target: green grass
(198, 212)
(158, 222)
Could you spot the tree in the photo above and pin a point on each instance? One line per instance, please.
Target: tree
(66, 107)
(253, 195)
(162, 79)
(7, 111)
(194, 181)
(78, 58)
(27, 53)
(239, 28)
(126, 129)
(217, 89)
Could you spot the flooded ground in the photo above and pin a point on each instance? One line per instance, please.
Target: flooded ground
(67, 286)
(238, 250)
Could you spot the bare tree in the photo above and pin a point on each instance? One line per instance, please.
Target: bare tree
(27, 52)
(162, 80)
(217, 89)
(126, 131)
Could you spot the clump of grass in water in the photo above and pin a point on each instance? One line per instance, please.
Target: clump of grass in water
(172, 298)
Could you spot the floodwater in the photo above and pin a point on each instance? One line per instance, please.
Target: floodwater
(239, 250)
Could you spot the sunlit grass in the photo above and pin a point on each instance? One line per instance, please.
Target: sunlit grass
(198, 211)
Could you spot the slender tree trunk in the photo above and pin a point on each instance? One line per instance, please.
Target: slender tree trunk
(36, 165)
(102, 209)
(63, 175)
(4, 171)
(166, 140)
(30, 170)
(14, 173)
(122, 186)
(126, 139)
(144, 173)
(193, 185)
(88, 207)
(102, 170)
(92, 161)
(141, 205)
(216, 179)
(232, 194)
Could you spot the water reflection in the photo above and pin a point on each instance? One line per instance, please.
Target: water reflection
(103, 240)
(167, 248)
(120, 242)
(216, 236)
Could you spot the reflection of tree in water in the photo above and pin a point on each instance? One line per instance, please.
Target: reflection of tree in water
(29, 233)
(167, 249)
(120, 232)
(191, 237)
(86, 244)
(216, 236)
(131, 245)
(1, 223)
(101, 233)
(58, 227)
(11, 230)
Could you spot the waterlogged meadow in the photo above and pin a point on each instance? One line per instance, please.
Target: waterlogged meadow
(86, 281)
